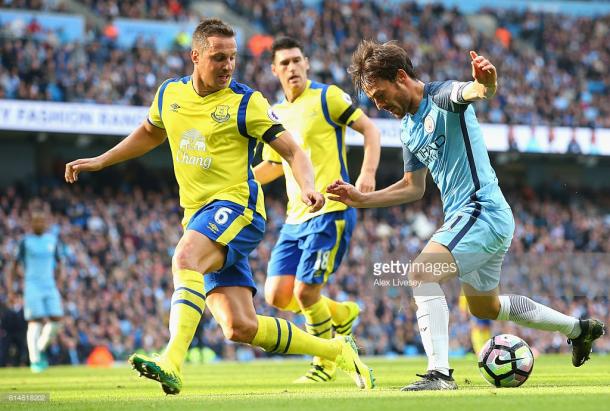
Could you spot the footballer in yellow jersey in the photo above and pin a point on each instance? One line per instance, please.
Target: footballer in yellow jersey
(213, 125)
(311, 245)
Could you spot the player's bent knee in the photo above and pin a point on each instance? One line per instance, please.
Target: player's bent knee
(306, 294)
(276, 299)
(183, 261)
(484, 312)
(242, 331)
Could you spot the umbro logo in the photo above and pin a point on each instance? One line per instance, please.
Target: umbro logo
(174, 107)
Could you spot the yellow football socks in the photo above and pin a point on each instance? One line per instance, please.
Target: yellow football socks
(188, 303)
(280, 336)
(479, 336)
(338, 311)
(293, 306)
(317, 320)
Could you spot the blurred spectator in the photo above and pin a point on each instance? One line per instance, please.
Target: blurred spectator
(13, 327)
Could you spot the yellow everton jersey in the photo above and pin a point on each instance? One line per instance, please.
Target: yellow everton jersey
(317, 119)
(213, 140)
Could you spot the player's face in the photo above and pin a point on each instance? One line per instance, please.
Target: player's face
(215, 63)
(395, 97)
(290, 67)
(39, 223)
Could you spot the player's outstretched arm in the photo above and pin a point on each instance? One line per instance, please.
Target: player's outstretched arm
(139, 142)
(267, 171)
(301, 169)
(485, 79)
(410, 188)
(372, 149)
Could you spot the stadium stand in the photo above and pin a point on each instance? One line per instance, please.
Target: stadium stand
(547, 76)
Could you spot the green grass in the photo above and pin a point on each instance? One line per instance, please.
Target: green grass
(265, 385)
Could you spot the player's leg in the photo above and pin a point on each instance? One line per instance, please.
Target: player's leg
(343, 314)
(279, 293)
(279, 285)
(528, 313)
(480, 330)
(32, 335)
(434, 265)
(54, 311)
(480, 333)
(480, 286)
(49, 331)
(34, 314)
(233, 309)
(195, 254)
(321, 255)
(318, 323)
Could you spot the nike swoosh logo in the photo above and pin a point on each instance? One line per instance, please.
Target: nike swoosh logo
(498, 361)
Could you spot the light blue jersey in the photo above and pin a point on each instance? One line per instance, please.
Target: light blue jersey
(444, 135)
(39, 255)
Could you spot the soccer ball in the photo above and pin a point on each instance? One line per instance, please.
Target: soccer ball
(506, 361)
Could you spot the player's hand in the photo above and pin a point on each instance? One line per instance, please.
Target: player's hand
(483, 71)
(313, 199)
(346, 194)
(82, 164)
(365, 182)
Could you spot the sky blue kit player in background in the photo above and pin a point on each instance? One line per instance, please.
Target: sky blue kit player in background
(39, 254)
(440, 133)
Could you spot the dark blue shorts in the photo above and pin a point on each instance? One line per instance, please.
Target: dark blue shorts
(314, 249)
(240, 230)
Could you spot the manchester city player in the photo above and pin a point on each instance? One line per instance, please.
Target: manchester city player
(39, 255)
(213, 125)
(312, 245)
(440, 133)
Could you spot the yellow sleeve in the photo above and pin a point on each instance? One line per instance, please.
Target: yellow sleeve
(261, 121)
(154, 113)
(269, 154)
(340, 106)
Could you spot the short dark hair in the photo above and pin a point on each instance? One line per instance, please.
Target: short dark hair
(283, 43)
(372, 61)
(209, 28)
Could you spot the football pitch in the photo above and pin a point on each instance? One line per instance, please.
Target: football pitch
(266, 385)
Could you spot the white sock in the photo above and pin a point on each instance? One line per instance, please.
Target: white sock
(528, 313)
(433, 321)
(48, 332)
(32, 336)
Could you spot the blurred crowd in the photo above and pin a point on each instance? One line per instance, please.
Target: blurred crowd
(92, 72)
(116, 279)
(139, 9)
(552, 68)
(133, 9)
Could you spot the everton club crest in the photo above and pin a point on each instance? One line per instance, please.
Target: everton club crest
(221, 113)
